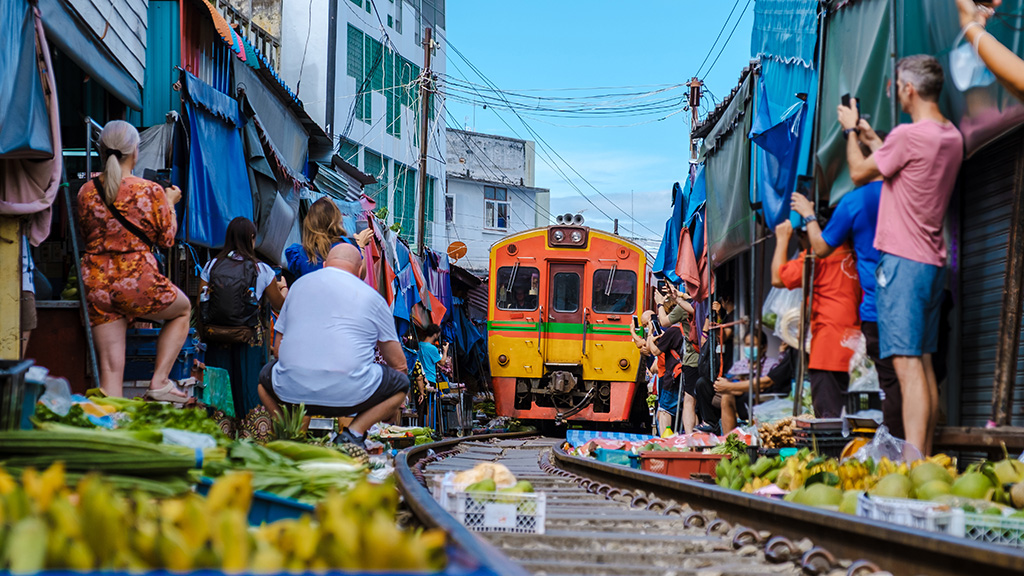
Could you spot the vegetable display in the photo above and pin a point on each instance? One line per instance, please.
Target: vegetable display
(53, 526)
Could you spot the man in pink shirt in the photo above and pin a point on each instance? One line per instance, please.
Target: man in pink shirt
(919, 163)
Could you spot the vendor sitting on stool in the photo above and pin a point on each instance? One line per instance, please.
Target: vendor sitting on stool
(327, 331)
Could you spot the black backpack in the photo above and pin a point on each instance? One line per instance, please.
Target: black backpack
(233, 302)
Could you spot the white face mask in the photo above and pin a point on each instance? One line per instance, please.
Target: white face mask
(966, 68)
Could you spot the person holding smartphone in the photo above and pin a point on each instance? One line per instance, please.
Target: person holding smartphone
(1006, 66)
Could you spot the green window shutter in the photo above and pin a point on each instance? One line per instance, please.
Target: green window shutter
(409, 207)
(429, 207)
(359, 2)
(375, 64)
(355, 53)
(374, 166)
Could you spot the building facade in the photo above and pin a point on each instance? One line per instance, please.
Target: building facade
(357, 65)
(490, 193)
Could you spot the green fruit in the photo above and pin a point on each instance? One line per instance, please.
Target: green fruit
(849, 503)
(821, 495)
(894, 485)
(928, 471)
(521, 487)
(1018, 514)
(993, 511)
(932, 489)
(485, 485)
(794, 495)
(1009, 471)
(971, 485)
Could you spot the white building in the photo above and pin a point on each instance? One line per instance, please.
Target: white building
(490, 193)
(356, 65)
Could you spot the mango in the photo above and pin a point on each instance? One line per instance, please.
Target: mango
(485, 485)
(927, 471)
(1009, 471)
(521, 487)
(971, 485)
(894, 485)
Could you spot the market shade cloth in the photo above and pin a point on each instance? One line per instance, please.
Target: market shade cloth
(984, 113)
(778, 158)
(30, 186)
(785, 30)
(727, 176)
(668, 252)
(76, 41)
(282, 128)
(857, 63)
(218, 183)
(25, 122)
(156, 145)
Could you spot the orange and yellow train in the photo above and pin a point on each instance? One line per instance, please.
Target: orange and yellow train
(561, 302)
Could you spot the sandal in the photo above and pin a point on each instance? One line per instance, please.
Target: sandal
(166, 394)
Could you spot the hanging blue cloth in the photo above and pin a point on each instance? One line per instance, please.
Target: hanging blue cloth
(218, 182)
(777, 164)
(695, 205)
(668, 252)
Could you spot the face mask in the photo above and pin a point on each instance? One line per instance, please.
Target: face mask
(966, 68)
(750, 352)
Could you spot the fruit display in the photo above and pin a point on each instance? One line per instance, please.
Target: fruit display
(486, 477)
(778, 434)
(56, 526)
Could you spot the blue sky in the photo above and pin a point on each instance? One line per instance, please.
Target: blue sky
(528, 45)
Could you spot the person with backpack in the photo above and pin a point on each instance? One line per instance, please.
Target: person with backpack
(232, 286)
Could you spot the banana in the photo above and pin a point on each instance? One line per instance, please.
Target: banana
(26, 546)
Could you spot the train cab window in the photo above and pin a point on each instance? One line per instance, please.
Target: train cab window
(518, 288)
(565, 289)
(614, 291)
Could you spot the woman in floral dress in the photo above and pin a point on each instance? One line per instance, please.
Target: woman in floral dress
(122, 280)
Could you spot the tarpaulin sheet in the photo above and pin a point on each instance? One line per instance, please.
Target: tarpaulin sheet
(727, 176)
(25, 122)
(778, 157)
(284, 130)
(785, 30)
(982, 113)
(76, 40)
(218, 182)
(856, 62)
(668, 252)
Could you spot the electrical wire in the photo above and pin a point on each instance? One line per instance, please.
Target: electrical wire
(733, 31)
(717, 38)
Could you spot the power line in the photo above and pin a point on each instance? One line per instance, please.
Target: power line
(736, 25)
(720, 31)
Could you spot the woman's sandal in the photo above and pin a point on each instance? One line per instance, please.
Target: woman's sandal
(166, 394)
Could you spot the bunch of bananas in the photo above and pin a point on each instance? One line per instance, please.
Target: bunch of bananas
(801, 466)
(45, 524)
(855, 475)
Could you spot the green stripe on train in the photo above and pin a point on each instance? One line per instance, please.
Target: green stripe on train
(557, 328)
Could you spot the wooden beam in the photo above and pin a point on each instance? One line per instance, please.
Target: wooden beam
(10, 288)
(1008, 346)
(980, 439)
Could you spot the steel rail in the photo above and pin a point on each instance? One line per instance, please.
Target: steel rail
(422, 504)
(897, 549)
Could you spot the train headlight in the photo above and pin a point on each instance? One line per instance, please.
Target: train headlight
(624, 363)
(559, 235)
(577, 237)
(503, 360)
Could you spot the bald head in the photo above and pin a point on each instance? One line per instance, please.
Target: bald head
(345, 257)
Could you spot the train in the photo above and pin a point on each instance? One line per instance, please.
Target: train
(561, 301)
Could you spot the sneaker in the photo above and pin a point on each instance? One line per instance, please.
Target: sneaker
(348, 437)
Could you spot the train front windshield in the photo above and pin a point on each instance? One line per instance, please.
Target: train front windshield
(518, 288)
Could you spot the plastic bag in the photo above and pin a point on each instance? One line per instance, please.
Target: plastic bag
(863, 376)
(778, 302)
(885, 445)
(773, 410)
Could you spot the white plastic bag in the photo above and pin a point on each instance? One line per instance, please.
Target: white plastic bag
(863, 376)
(778, 302)
(885, 445)
(773, 410)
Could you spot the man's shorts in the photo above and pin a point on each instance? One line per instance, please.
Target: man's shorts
(690, 376)
(909, 297)
(392, 382)
(668, 397)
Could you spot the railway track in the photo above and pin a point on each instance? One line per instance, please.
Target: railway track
(609, 520)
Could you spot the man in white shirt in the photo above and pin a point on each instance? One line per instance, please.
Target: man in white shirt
(328, 328)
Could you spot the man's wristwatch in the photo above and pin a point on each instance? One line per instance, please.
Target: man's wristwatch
(809, 219)
(848, 131)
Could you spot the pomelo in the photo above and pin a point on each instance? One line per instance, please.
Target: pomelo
(927, 471)
(932, 490)
(971, 485)
(894, 485)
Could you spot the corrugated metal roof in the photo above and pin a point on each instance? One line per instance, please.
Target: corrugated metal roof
(341, 186)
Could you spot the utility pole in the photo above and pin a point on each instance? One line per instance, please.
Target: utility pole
(695, 86)
(424, 134)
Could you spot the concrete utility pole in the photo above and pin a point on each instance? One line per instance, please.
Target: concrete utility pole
(424, 134)
(695, 86)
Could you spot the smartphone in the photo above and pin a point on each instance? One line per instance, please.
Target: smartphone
(656, 328)
(636, 323)
(361, 225)
(663, 286)
(846, 98)
(161, 177)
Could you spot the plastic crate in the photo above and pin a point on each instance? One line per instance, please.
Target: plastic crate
(620, 457)
(266, 507)
(994, 529)
(141, 368)
(920, 514)
(857, 401)
(15, 404)
(494, 511)
(679, 464)
(142, 342)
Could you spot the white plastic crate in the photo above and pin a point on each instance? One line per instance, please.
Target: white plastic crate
(493, 511)
(920, 514)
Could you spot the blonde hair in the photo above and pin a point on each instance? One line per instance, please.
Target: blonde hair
(321, 229)
(118, 140)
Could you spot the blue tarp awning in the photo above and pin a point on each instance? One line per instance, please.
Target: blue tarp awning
(668, 252)
(218, 183)
(779, 157)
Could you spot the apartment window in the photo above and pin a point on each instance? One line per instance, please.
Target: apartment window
(496, 208)
(449, 209)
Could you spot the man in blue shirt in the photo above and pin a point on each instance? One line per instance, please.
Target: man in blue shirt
(855, 218)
